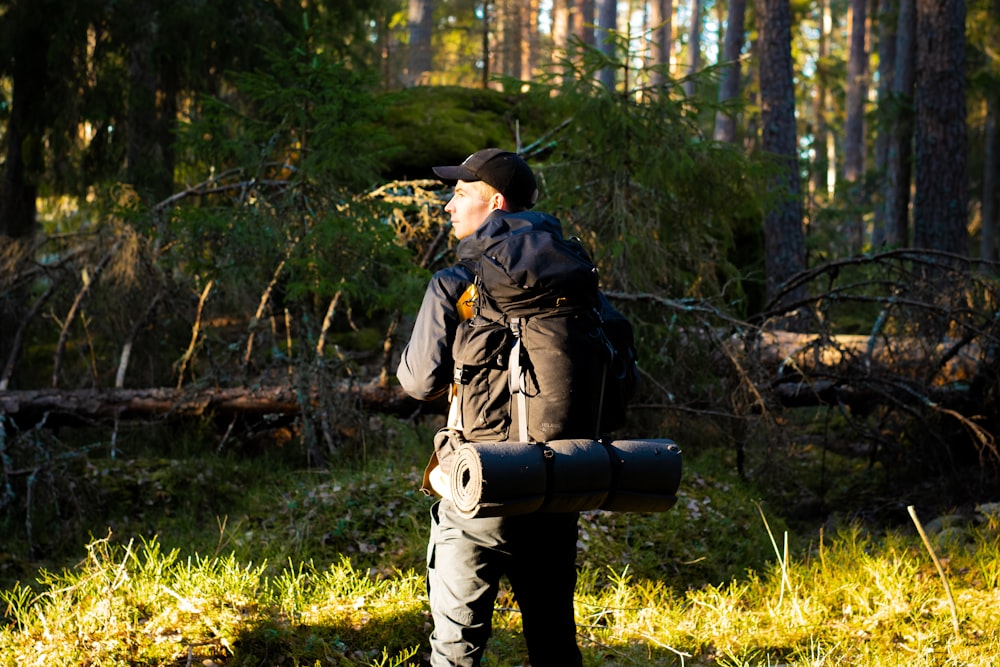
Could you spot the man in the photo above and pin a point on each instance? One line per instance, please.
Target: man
(467, 557)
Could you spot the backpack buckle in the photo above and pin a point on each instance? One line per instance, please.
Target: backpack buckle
(460, 376)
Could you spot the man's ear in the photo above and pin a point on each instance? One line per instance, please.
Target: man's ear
(498, 201)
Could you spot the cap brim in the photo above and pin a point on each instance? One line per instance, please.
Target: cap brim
(454, 174)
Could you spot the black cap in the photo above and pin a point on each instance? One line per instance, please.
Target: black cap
(505, 171)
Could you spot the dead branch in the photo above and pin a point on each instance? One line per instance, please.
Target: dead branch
(81, 294)
(215, 185)
(265, 297)
(127, 346)
(195, 329)
(15, 349)
(328, 322)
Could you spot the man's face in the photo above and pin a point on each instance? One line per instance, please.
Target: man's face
(468, 209)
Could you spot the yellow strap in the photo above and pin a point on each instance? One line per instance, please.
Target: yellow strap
(467, 303)
(466, 309)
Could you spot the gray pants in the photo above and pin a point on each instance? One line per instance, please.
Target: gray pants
(465, 560)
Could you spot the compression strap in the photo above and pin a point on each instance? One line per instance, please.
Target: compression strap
(516, 381)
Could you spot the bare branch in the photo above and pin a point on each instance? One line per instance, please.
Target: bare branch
(88, 281)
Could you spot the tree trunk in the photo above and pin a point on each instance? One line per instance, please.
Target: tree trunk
(990, 220)
(822, 181)
(988, 239)
(563, 14)
(784, 241)
(141, 152)
(694, 47)
(29, 114)
(529, 39)
(419, 59)
(940, 206)
(729, 89)
(854, 128)
(607, 22)
(900, 153)
(485, 35)
(560, 24)
(886, 72)
(661, 14)
(151, 111)
(510, 25)
(583, 22)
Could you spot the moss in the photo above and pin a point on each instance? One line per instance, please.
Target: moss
(431, 125)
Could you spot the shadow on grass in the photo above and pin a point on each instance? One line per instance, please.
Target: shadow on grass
(355, 639)
(388, 640)
(401, 640)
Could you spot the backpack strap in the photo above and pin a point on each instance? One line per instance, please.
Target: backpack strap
(515, 381)
(455, 407)
(600, 401)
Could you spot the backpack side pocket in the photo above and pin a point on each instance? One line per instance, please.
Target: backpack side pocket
(482, 356)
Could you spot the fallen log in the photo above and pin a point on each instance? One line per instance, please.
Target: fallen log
(27, 408)
(803, 370)
(808, 354)
(864, 396)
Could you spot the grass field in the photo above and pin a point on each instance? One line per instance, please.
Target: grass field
(229, 559)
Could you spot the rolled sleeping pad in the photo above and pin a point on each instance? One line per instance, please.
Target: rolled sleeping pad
(498, 478)
(646, 475)
(508, 478)
(579, 476)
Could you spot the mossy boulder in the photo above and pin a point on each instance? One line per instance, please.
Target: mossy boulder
(431, 125)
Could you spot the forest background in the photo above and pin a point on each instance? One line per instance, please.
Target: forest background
(216, 220)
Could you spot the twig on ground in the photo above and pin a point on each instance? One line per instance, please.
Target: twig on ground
(937, 564)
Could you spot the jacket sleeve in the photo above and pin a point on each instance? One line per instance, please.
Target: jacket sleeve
(426, 366)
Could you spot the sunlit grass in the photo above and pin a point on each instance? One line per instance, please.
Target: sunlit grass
(325, 568)
(854, 600)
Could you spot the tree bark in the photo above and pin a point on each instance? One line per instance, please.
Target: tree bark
(661, 14)
(900, 152)
(511, 25)
(694, 47)
(886, 72)
(988, 238)
(823, 179)
(488, 7)
(560, 24)
(854, 128)
(729, 89)
(529, 39)
(990, 218)
(784, 240)
(142, 155)
(421, 27)
(29, 116)
(607, 22)
(583, 21)
(941, 202)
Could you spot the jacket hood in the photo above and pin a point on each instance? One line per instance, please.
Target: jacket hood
(501, 223)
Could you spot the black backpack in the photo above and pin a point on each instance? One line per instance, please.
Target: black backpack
(545, 356)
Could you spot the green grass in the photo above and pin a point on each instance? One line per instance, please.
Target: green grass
(291, 566)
